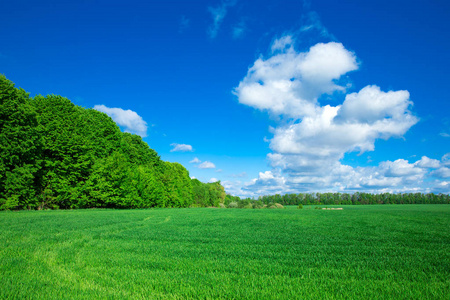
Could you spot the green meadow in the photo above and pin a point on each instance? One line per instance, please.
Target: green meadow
(360, 252)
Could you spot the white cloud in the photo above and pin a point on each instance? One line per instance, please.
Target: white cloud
(443, 172)
(445, 161)
(235, 188)
(207, 165)
(426, 162)
(282, 43)
(181, 148)
(327, 133)
(290, 82)
(218, 13)
(130, 120)
(377, 183)
(266, 183)
(266, 176)
(401, 168)
(326, 62)
(195, 161)
(442, 187)
(389, 176)
(371, 104)
(213, 180)
(308, 147)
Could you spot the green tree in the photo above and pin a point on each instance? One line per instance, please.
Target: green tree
(20, 147)
(55, 154)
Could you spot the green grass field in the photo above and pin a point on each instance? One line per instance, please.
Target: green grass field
(362, 252)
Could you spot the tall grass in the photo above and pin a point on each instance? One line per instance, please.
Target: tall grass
(362, 252)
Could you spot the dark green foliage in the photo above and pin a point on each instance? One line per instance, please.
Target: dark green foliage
(137, 151)
(68, 153)
(55, 154)
(339, 199)
(177, 184)
(208, 194)
(356, 198)
(20, 147)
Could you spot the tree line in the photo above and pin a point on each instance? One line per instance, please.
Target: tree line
(55, 154)
(355, 198)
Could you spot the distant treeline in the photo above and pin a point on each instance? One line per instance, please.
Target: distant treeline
(344, 199)
(54, 154)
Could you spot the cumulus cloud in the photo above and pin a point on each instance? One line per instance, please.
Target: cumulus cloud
(329, 134)
(218, 13)
(442, 187)
(371, 104)
(402, 168)
(181, 148)
(290, 82)
(213, 180)
(206, 165)
(445, 161)
(266, 183)
(426, 162)
(195, 161)
(389, 176)
(308, 146)
(130, 120)
(443, 172)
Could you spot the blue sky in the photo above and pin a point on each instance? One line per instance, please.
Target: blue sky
(266, 96)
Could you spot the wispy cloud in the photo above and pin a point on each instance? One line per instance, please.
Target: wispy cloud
(218, 14)
(184, 24)
(206, 165)
(238, 30)
(130, 120)
(313, 23)
(181, 148)
(240, 175)
(195, 161)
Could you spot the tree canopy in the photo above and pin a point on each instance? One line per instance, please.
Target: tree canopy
(55, 154)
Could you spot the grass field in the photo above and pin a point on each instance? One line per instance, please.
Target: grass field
(361, 252)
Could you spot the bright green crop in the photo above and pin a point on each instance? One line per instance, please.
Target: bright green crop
(360, 252)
